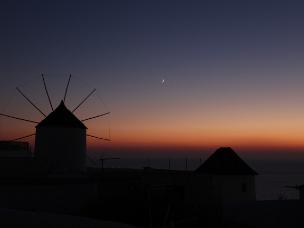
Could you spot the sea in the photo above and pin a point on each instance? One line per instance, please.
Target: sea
(276, 179)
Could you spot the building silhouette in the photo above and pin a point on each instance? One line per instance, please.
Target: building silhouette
(229, 176)
(57, 173)
(60, 143)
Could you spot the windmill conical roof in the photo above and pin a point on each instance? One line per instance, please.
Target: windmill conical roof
(61, 117)
(224, 161)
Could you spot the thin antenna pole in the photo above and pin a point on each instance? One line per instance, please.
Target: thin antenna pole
(102, 164)
(30, 101)
(105, 159)
(23, 137)
(84, 100)
(186, 163)
(93, 117)
(66, 88)
(98, 137)
(47, 93)
(148, 162)
(18, 118)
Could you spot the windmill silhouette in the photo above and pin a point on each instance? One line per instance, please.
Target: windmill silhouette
(60, 137)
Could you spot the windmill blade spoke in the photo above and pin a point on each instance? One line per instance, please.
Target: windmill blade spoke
(18, 118)
(92, 136)
(47, 93)
(93, 91)
(30, 101)
(23, 137)
(66, 88)
(93, 117)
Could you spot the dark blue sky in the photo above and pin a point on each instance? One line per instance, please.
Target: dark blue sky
(233, 69)
(164, 34)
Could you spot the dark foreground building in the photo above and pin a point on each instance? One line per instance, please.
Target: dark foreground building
(56, 180)
(136, 196)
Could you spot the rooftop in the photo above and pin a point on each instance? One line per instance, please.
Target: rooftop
(224, 161)
(61, 117)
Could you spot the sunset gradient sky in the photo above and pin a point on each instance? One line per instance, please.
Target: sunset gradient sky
(233, 70)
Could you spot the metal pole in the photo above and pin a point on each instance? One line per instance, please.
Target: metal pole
(98, 137)
(18, 118)
(23, 137)
(186, 163)
(30, 101)
(93, 117)
(66, 88)
(47, 93)
(83, 100)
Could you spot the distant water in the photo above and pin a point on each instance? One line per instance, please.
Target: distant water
(274, 176)
(272, 186)
(271, 182)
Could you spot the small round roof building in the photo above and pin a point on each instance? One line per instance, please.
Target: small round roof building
(228, 176)
(224, 161)
(60, 143)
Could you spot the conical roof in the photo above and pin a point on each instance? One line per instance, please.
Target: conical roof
(61, 117)
(224, 161)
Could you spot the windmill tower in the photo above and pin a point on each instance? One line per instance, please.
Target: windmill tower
(60, 138)
(60, 142)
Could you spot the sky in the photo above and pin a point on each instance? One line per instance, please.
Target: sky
(233, 72)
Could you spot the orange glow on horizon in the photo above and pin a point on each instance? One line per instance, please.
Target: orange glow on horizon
(191, 138)
(220, 126)
(212, 140)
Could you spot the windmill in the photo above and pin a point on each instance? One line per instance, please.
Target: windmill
(60, 137)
